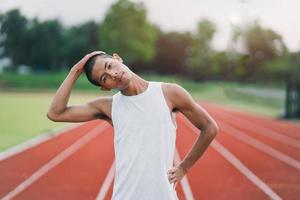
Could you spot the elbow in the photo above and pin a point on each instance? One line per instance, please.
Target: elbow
(52, 117)
(213, 129)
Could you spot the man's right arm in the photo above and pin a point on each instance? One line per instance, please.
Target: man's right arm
(60, 112)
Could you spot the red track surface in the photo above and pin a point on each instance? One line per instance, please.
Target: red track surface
(82, 174)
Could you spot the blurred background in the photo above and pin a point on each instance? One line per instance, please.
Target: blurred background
(242, 53)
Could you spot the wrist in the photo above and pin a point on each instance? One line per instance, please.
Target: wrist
(183, 168)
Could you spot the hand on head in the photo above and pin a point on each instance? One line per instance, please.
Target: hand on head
(80, 65)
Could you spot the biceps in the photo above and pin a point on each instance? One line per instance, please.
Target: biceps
(197, 115)
(183, 101)
(78, 113)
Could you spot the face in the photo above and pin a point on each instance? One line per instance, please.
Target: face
(111, 73)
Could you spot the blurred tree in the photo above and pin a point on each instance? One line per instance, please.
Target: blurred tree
(12, 34)
(282, 67)
(228, 65)
(44, 45)
(171, 52)
(236, 56)
(200, 53)
(295, 61)
(261, 45)
(125, 30)
(80, 40)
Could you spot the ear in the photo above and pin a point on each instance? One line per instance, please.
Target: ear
(116, 56)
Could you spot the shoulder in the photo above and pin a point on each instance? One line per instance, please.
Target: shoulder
(99, 101)
(103, 104)
(177, 95)
(173, 88)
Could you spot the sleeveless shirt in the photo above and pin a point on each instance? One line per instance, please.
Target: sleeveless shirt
(144, 144)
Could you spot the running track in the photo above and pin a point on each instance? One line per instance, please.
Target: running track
(251, 158)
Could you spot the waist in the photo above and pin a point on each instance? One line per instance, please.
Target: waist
(143, 184)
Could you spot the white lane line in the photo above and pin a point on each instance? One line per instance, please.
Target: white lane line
(244, 170)
(110, 177)
(107, 182)
(56, 160)
(228, 129)
(36, 141)
(259, 129)
(184, 181)
(240, 166)
(279, 123)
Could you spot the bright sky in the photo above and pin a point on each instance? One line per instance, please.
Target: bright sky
(178, 15)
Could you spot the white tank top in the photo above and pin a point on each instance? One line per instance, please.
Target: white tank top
(144, 142)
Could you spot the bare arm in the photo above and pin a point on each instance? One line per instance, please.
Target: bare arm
(183, 102)
(59, 111)
(200, 119)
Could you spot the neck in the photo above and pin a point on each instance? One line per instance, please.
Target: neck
(136, 86)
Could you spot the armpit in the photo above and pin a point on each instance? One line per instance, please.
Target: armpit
(104, 117)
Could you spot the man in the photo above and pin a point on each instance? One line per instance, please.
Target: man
(142, 115)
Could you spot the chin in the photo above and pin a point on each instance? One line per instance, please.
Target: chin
(125, 84)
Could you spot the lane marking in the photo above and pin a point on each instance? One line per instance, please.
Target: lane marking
(110, 177)
(184, 181)
(228, 129)
(56, 161)
(239, 166)
(107, 182)
(36, 141)
(259, 129)
(244, 170)
(231, 110)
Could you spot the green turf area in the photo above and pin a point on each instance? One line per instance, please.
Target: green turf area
(23, 115)
(40, 81)
(232, 94)
(24, 101)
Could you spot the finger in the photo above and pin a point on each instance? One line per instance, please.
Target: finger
(172, 179)
(96, 52)
(87, 56)
(172, 176)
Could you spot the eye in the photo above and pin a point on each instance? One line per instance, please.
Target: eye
(109, 66)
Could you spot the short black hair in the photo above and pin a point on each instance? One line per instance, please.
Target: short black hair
(89, 65)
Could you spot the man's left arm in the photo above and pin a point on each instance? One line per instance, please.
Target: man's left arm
(182, 101)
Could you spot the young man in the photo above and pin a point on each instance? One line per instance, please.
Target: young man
(142, 115)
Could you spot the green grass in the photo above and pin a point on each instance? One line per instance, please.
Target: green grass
(23, 115)
(24, 101)
(225, 93)
(37, 82)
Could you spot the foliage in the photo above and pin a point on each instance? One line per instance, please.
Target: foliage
(254, 53)
(200, 53)
(261, 44)
(125, 30)
(79, 40)
(44, 44)
(12, 34)
(171, 52)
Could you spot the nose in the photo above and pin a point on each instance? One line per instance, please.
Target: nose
(114, 74)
